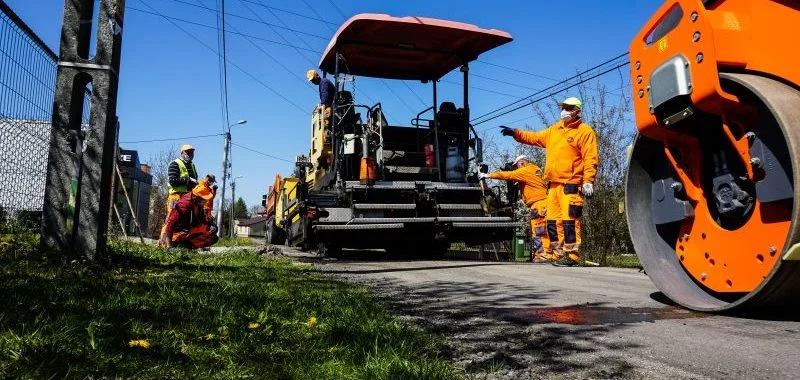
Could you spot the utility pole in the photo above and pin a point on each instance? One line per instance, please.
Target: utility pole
(233, 206)
(225, 165)
(81, 157)
(224, 180)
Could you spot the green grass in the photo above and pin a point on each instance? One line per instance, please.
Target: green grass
(236, 315)
(627, 261)
(234, 242)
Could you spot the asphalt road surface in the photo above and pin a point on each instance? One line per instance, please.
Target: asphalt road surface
(526, 321)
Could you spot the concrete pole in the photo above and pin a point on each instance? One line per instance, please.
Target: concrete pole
(80, 163)
(233, 207)
(224, 180)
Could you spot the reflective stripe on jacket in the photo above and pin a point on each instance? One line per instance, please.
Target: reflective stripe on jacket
(571, 151)
(181, 183)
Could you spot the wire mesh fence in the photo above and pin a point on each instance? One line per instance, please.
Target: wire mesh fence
(27, 89)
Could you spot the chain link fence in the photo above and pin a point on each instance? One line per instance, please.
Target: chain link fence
(27, 90)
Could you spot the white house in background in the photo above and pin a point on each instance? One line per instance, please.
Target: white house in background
(251, 227)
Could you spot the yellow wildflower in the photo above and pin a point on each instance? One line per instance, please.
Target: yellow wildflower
(143, 343)
(312, 322)
(208, 336)
(253, 325)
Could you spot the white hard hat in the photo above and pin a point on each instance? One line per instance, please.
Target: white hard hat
(520, 158)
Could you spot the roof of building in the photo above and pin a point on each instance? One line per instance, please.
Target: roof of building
(251, 221)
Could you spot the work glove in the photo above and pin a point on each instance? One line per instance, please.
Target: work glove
(588, 189)
(506, 131)
(164, 241)
(482, 176)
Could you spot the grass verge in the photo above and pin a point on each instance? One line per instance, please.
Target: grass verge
(626, 261)
(234, 242)
(154, 313)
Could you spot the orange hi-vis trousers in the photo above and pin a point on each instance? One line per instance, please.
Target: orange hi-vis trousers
(565, 205)
(171, 199)
(541, 241)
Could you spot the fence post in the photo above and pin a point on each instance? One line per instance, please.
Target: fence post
(82, 157)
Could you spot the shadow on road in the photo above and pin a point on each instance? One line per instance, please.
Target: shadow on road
(513, 332)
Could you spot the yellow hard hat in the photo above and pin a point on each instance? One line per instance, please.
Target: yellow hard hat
(186, 147)
(573, 101)
(310, 74)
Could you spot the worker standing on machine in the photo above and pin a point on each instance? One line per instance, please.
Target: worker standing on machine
(326, 92)
(534, 194)
(570, 167)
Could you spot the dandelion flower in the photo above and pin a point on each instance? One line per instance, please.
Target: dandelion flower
(253, 325)
(312, 322)
(143, 343)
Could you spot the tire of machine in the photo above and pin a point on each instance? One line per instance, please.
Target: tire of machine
(781, 286)
(274, 234)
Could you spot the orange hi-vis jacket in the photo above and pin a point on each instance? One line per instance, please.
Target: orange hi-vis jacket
(571, 156)
(530, 179)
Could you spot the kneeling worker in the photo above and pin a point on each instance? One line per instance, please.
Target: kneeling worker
(190, 223)
(534, 194)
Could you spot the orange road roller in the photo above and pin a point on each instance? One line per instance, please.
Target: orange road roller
(712, 185)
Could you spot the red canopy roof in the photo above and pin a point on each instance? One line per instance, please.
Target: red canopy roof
(382, 46)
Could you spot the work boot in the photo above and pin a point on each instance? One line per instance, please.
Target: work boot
(540, 259)
(568, 260)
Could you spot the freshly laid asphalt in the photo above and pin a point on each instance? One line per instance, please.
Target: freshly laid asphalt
(527, 321)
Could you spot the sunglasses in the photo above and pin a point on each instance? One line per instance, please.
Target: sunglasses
(567, 107)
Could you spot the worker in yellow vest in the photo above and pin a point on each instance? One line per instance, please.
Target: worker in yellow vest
(182, 178)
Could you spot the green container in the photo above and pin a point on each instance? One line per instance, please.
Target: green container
(519, 246)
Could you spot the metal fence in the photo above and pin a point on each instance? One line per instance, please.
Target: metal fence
(27, 89)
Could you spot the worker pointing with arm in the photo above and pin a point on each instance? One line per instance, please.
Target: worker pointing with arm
(534, 194)
(570, 167)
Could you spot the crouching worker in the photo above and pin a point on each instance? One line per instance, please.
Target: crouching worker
(190, 224)
(534, 194)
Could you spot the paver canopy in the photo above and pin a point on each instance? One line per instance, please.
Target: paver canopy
(415, 48)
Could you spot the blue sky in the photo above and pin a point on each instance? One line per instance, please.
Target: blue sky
(169, 82)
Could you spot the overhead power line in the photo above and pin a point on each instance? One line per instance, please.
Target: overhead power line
(256, 79)
(548, 95)
(257, 21)
(177, 19)
(170, 139)
(471, 87)
(549, 88)
(516, 70)
(274, 30)
(225, 68)
(337, 9)
(262, 153)
(268, 55)
(290, 12)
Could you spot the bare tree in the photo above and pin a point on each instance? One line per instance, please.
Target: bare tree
(159, 163)
(256, 209)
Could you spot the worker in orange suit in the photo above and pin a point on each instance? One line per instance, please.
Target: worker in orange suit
(570, 167)
(190, 223)
(534, 194)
